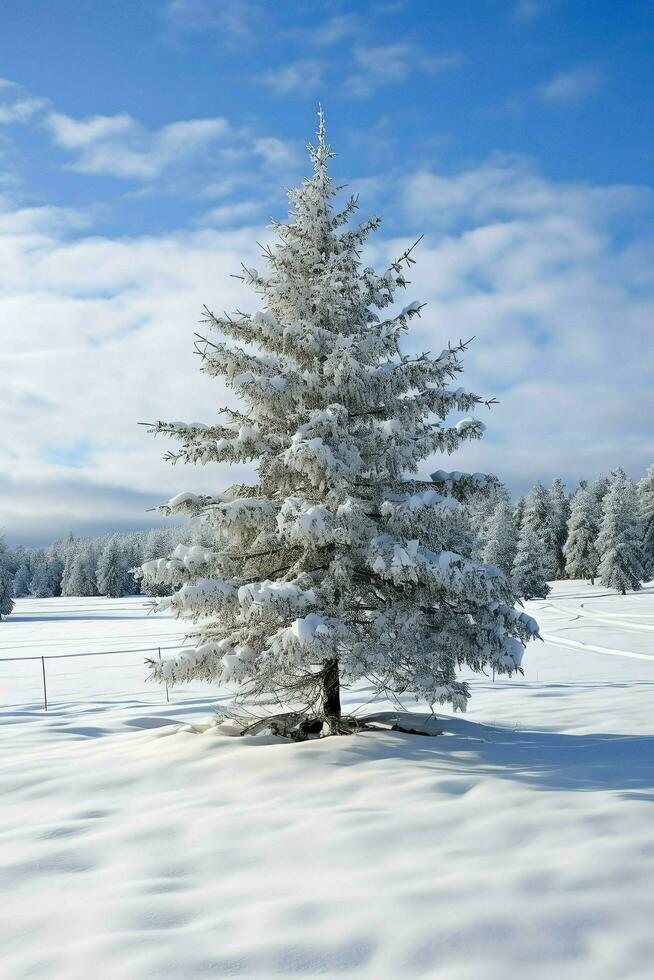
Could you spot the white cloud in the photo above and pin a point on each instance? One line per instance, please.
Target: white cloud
(275, 152)
(229, 19)
(206, 157)
(74, 133)
(102, 339)
(557, 288)
(232, 214)
(302, 77)
(528, 9)
(336, 29)
(391, 64)
(550, 277)
(17, 105)
(573, 86)
(509, 187)
(120, 146)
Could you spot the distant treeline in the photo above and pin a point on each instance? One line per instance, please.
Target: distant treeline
(101, 566)
(603, 530)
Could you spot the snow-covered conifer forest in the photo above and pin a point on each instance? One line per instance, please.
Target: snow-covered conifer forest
(484, 659)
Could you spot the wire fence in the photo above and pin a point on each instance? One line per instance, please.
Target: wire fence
(41, 660)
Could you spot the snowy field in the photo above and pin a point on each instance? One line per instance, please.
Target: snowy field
(137, 843)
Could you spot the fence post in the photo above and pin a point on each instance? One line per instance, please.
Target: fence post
(165, 681)
(45, 690)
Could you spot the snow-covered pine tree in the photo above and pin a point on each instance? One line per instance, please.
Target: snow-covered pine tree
(519, 513)
(80, 577)
(6, 582)
(581, 555)
(646, 501)
(582, 485)
(112, 577)
(619, 540)
(157, 542)
(131, 546)
(539, 517)
(502, 538)
(599, 489)
(336, 565)
(22, 578)
(481, 511)
(42, 582)
(560, 514)
(529, 572)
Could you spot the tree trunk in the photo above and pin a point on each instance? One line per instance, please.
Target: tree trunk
(331, 693)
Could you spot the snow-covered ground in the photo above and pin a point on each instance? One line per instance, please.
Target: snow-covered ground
(518, 844)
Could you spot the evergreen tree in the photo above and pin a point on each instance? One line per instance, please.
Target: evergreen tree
(519, 513)
(581, 555)
(6, 582)
(582, 485)
(55, 570)
(131, 549)
(42, 583)
(646, 501)
(501, 544)
(539, 518)
(481, 511)
(112, 576)
(336, 565)
(529, 572)
(559, 515)
(22, 578)
(80, 579)
(599, 489)
(158, 543)
(619, 539)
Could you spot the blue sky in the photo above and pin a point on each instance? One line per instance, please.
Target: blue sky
(143, 147)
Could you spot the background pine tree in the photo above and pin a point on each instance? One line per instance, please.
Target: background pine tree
(6, 582)
(112, 575)
(538, 516)
(619, 540)
(559, 515)
(529, 572)
(502, 538)
(581, 555)
(646, 502)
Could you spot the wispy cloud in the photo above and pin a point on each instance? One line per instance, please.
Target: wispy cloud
(17, 105)
(392, 64)
(335, 29)
(230, 215)
(542, 273)
(121, 147)
(229, 18)
(103, 309)
(525, 263)
(275, 152)
(573, 86)
(302, 77)
(526, 10)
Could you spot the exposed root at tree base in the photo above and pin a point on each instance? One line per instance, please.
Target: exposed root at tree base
(300, 727)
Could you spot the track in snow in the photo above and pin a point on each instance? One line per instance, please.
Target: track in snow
(594, 648)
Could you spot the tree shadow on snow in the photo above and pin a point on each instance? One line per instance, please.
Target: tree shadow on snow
(68, 617)
(544, 760)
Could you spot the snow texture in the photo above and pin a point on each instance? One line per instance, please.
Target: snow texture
(139, 841)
